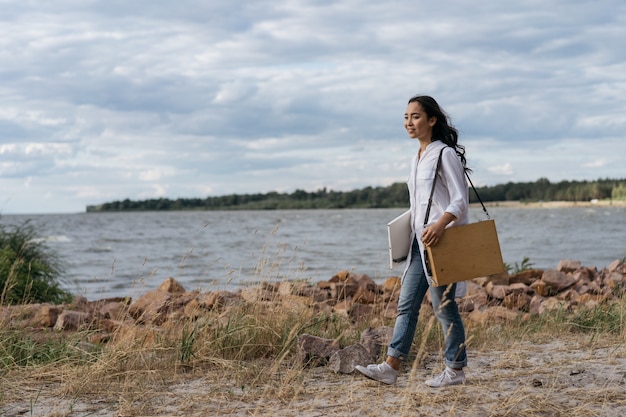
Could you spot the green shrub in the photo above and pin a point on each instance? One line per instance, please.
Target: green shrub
(29, 270)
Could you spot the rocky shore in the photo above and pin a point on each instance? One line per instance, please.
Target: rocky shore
(494, 298)
(566, 374)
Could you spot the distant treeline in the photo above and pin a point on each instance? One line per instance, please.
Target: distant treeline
(393, 196)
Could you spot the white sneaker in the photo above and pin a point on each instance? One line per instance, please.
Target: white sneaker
(448, 377)
(382, 372)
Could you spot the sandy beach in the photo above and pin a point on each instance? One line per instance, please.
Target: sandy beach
(566, 376)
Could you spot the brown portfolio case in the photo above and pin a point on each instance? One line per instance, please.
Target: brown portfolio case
(465, 252)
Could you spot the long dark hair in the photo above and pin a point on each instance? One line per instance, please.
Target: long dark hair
(443, 129)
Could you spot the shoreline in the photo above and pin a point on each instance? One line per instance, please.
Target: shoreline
(553, 204)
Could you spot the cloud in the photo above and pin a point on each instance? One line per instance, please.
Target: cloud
(102, 101)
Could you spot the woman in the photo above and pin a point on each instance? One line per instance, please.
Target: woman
(425, 121)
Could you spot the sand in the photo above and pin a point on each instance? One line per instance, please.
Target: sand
(573, 376)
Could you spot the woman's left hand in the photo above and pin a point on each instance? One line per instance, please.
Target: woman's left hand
(432, 234)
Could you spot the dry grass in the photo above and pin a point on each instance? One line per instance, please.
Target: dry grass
(240, 363)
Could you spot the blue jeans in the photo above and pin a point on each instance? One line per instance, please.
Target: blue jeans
(414, 287)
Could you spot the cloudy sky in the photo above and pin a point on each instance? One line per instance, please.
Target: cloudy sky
(107, 100)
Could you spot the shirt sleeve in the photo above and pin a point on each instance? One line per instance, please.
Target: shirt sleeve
(454, 177)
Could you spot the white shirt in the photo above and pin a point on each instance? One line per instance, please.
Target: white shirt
(451, 190)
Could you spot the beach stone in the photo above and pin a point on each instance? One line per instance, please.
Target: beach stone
(341, 276)
(79, 303)
(568, 266)
(583, 276)
(614, 279)
(360, 312)
(71, 320)
(256, 294)
(595, 287)
(323, 285)
(498, 279)
(390, 309)
(466, 305)
(616, 266)
(343, 308)
(492, 315)
(553, 304)
(345, 360)
(114, 310)
(497, 291)
(374, 339)
(473, 287)
(218, 299)
(517, 301)
(557, 281)
(365, 282)
(568, 295)
(365, 296)
(479, 298)
(343, 290)
(535, 304)
(192, 309)
(315, 351)
(152, 307)
(171, 285)
(303, 289)
(519, 288)
(45, 316)
(392, 284)
(527, 276)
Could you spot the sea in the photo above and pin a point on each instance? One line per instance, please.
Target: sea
(121, 254)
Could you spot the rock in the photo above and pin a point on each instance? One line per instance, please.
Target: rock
(497, 291)
(192, 309)
(152, 307)
(519, 288)
(568, 266)
(392, 284)
(341, 276)
(568, 295)
(298, 288)
(374, 339)
(390, 309)
(323, 285)
(361, 312)
(557, 281)
(499, 279)
(256, 294)
(365, 282)
(79, 303)
(614, 279)
(344, 361)
(617, 266)
(46, 316)
(171, 285)
(497, 314)
(71, 320)
(517, 301)
(364, 296)
(527, 276)
(343, 308)
(553, 304)
(478, 298)
(583, 275)
(315, 351)
(343, 290)
(114, 310)
(466, 305)
(218, 300)
(535, 304)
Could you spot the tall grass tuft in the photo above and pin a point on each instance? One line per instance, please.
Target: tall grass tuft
(29, 270)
